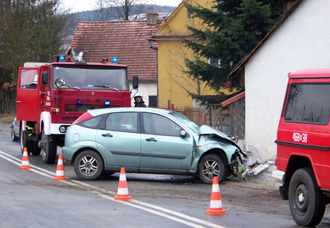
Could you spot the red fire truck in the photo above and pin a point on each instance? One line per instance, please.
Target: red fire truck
(51, 96)
(303, 146)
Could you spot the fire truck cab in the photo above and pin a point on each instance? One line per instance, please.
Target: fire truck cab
(50, 96)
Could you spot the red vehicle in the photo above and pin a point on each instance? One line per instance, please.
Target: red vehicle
(51, 96)
(303, 146)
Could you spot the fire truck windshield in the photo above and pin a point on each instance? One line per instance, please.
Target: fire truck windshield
(90, 78)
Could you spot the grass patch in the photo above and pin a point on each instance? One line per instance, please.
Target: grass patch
(7, 118)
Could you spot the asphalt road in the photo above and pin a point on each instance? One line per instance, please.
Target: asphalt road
(31, 198)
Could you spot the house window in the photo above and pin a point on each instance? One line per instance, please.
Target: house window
(189, 14)
(152, 101)
(215, 62)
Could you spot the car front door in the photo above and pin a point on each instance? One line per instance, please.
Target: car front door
(121, 140)
(161, 145)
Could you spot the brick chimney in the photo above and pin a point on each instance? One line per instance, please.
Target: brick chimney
(152, 18)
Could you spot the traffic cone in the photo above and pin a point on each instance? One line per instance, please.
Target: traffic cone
(122, 193)
(215, 203)
(60, 169)
(25, 160)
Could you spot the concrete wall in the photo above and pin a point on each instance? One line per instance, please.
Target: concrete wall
(302, 42)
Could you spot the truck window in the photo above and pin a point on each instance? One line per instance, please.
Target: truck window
(308, 103)
(92, 78)
(29, 79)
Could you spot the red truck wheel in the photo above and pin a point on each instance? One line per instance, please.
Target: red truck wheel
(48, 148)
(307, 203)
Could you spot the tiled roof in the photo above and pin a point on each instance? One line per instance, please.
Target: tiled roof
(233, 99)
(127, 40)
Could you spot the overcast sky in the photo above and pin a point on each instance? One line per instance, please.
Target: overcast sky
(84, 5)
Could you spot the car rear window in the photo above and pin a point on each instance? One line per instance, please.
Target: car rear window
(92, 122)
(308, 103)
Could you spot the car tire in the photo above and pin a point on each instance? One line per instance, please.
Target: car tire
(13, 137)
(209, 166)
(88, 165)
(49, 148)
(307, 203)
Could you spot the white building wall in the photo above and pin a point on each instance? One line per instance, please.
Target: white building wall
(301, 42)
(146, 90)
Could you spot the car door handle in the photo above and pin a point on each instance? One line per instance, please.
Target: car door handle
(151, 139)
(107, 135)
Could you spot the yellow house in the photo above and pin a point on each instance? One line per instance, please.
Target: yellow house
(173, 84)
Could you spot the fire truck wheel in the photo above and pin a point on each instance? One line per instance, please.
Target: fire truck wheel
(49, 148)
(36, 149)
(24, 142)
(307, 203)
(88, 165)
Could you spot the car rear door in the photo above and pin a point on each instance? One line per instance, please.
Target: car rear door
(162, 147)
(121, 140)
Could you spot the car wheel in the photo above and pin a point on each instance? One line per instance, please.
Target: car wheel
(13, 137)
(88, 165)
(209, 166)
(48, 148)
(307, 203)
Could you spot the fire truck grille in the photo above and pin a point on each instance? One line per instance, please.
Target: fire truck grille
(84, 108)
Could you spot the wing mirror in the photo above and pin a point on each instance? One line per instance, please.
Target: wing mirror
(183, 133)
(59, 82)
(44, 77)
(135, 81)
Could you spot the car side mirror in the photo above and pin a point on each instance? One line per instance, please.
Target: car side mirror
(44, 78)
(183, 133)
(135, 81)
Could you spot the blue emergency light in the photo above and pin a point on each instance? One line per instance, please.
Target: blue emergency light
(115, 59)
(107, 103)
(79, 101)
(62, 58)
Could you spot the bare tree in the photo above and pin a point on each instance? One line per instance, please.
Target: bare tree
(101, 7)
(123, 9)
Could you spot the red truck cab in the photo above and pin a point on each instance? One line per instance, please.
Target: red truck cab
(50, 96)
(303, 145)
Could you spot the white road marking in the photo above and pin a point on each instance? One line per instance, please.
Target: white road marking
(166, 213)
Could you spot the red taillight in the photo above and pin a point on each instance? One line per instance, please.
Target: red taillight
(83, 117)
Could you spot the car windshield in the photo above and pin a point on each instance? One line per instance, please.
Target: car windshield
(91, 78)
(183, 119)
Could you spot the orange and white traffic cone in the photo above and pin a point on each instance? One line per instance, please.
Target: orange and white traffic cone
(215, 203)
(60, 169)
(25, 160)
(122, 193)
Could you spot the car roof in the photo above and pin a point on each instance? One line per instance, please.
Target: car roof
(312, 73)
(95, 112)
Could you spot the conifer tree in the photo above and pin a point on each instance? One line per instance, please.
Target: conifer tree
(232, 28)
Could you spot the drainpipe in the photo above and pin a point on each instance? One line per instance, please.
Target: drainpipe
(155, 48)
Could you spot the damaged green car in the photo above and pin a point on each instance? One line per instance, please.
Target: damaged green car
(148, 140)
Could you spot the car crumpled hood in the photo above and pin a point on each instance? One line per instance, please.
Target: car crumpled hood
(207, 130)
